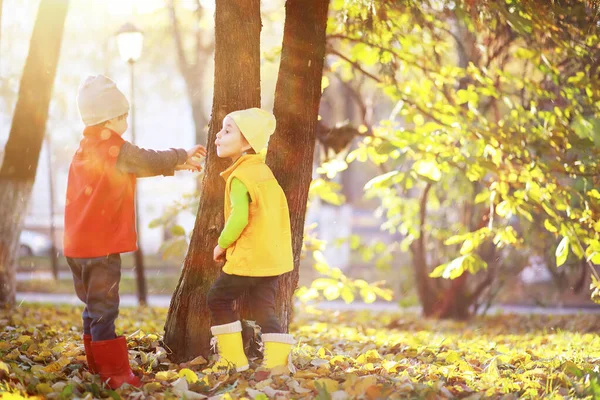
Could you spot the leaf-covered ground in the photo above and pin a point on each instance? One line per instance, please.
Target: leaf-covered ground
(340, 356)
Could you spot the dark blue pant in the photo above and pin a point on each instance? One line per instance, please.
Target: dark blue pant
(262, 292)
(96, 283)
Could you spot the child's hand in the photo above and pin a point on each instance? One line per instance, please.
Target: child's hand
(192, 164)
(219, 254)
(197, 150)
(189, 165)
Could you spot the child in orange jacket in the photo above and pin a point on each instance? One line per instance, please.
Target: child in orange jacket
(100, 218)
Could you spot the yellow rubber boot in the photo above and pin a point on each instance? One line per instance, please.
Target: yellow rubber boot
(228, 340)
(277, 350)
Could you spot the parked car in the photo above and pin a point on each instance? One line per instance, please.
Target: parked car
(34, 244)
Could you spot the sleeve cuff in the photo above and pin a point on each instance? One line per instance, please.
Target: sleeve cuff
(223, 243)
(181, 156)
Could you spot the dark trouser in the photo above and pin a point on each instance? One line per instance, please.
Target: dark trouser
(96, 283)
(262, 291)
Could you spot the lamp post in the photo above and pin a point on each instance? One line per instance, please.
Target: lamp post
(130, 40)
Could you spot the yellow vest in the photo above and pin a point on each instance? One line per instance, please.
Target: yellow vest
(265, 246)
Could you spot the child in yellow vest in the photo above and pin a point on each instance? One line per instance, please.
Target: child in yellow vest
(256, 242)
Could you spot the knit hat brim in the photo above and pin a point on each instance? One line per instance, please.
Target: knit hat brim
(99, 100)
(256, 125)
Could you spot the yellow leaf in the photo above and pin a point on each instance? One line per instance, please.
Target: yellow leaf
(329, 384)
(13, 355)
(305, 374)
(197, 361)
(369, 356)
(45, 354)
(166, 375)
(23, 339)
(58, 349)
(363, 384)
(152, 387)
(43, 388)
(322, 352)
(57, 365)
(452, 357)
(4, 367)
(418, 120)
(492, 369)
(190, 376)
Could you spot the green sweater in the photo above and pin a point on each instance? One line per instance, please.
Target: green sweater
(240, 201)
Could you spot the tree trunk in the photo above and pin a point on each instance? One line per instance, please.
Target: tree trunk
(27, 134)
(427, 294)
(297, 97)
(236, 86)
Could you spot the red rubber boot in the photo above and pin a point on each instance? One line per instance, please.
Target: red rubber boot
(87, 345)
(112, 363)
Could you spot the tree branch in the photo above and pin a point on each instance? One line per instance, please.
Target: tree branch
(380, 47)
(181, 58)
(354, 64)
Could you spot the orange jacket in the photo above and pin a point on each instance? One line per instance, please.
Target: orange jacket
(100, 210)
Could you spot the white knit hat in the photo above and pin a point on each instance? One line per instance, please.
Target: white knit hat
(99, 100)
(256, 125)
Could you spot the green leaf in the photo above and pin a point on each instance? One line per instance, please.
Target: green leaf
(428, 169)
(418, 120)
(503, 208)
(347, 295)
(368, 295)
(324, 283)
(562, 251)
(550, 227)
(177, 230)
(332, 167)
(524, 53)
(155, 223)
(455, 268)
(332, 292)
(175, 248)
(381, 180)
(451, 270)
(483, 196)
(327, 191)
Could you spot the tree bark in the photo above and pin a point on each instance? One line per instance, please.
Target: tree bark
(297, 97)
(27, 134)
(427, 296)
(236, 86)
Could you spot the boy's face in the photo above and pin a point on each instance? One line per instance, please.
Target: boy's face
(230, 142)
(118, 124)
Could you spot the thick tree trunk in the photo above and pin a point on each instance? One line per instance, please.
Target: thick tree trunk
(427, 295)
(237, 86)
(14, 196)
(455, 300)
(297, 97)
(27, 134)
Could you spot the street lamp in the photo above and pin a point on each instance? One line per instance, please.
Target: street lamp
(130, 41)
